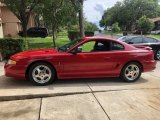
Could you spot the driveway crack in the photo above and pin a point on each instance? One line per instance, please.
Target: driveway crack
(40, 108)
(92, 92)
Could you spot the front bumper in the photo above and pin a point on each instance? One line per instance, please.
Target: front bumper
(15, 71)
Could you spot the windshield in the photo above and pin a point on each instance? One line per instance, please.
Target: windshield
(69, 45)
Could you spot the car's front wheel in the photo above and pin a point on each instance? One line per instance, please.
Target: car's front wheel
(131, 72)
(157, 55)
(41, 73)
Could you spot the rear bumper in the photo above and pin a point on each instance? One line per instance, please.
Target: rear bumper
(15, 71)
(149, 65)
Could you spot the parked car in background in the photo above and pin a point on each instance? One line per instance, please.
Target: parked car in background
(90, 57)
(155, 32)
(144, 41)
(36, 32)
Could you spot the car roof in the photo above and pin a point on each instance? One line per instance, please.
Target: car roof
(127, 46)
(98, 38)
(133, 36)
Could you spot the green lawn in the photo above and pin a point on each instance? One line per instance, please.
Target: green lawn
(155, 36)
(37, 43)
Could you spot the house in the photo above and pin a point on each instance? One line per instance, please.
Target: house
(156, 22)
(10, 24)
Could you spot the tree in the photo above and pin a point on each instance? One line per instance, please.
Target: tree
(115, 27)
(90, 26)
(22, 9)
(58, 13)
(78, 5)
(144, 24)
(128, 11)
(51, 11)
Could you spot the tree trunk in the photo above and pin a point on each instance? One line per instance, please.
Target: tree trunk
(81, 20)
(54, 36)
(24, 27)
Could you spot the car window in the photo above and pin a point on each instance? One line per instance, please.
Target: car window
(117, 46)
(136, 40)
(88, 46)
(149, 40)
(102, 45)
(96, 46)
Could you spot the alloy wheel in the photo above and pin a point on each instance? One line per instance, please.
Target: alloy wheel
(41, 74)
(132, 72)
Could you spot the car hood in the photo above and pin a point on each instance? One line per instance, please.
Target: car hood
(33, 53)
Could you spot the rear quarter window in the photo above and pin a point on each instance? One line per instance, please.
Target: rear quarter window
(117, 46)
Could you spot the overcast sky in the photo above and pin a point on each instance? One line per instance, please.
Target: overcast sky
(94, 9)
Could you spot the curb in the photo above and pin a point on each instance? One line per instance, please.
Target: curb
(31, 96)
(23, 97)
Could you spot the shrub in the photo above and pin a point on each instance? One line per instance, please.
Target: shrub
(115, 27)
(10, 46)
(72, 35)
(89, 34)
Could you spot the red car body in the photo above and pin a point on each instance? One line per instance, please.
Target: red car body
(82, 65)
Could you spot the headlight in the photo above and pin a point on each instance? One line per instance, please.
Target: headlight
(11, 62)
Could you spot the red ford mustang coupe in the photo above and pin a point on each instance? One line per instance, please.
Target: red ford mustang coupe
(92, 57)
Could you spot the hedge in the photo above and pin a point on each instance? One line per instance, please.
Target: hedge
(72, 35)
(10, 46)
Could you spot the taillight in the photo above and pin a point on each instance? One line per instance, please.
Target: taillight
(148, 48)
(152, 54)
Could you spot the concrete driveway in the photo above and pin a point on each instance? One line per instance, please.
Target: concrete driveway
(84, 99)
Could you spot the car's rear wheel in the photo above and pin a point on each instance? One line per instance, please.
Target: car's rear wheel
(41, 73)
(157, 55)
(131, 72)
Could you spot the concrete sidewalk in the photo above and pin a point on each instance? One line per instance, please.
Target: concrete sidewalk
(83, 99)
(113, 105)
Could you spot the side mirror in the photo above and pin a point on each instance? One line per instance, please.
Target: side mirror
(77, 50)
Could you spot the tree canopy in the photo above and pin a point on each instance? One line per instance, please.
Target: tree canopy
(145, 24)
(128, 11)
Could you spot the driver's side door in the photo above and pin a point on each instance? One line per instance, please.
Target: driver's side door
(87, 63)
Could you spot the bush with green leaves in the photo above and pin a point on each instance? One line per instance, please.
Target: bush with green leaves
(73, 35)
(145, 24)
(90, 26)
(10, 46)
(115, 27)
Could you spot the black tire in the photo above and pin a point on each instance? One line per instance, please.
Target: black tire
(137, 71)
(157, 55)
(45, 74)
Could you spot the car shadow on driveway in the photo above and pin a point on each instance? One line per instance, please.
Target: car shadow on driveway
(11, 83)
